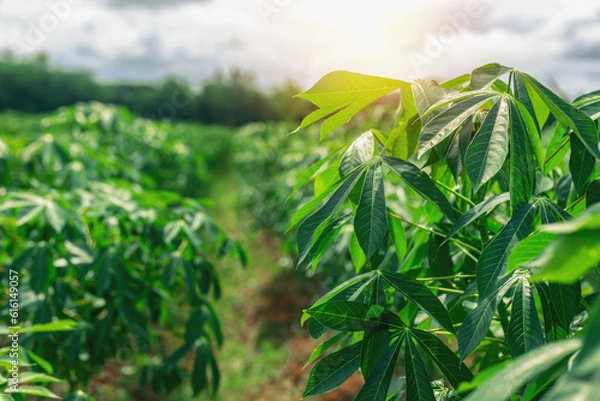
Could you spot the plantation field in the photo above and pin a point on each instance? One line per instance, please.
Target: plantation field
(440, 244)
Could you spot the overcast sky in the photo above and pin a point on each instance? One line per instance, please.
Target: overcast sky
(304, 39)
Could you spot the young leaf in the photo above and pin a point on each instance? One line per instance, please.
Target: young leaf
(489, 148)
(333, 370)
(339, 95)
(524, 330)
(492, 262)
(370, 222)
(420, 182)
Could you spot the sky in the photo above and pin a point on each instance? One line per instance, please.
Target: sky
(146, 40)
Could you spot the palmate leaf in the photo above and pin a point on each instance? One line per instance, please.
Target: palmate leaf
(489, 148)
(446, 122)
(477, 323)
(417, 293)
(484, 76)
(354, 316)
(306, 230)
(492, 262)
(421, 183)
(333, 370)
(377, 380)
(449, 364)
(374, 345)
(524, 330)
(370, 222)
(418, 387)
(522, 169)
(339, 95)
(519, 371)
(476, 212)
(568, 115)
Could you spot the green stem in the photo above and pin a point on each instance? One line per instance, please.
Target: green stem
(572, 205)
(562, 145)
(457, 276)
(458, 194)
(444, 289)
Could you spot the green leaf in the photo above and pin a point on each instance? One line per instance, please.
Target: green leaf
(484, 76)
(55, 216)
(581, 165)
(557, 148)
(370, 221)
(356, 253)
(489, 148)
(560, 304)
(426, 94)
(528, 249)
(377, 381)
(569, 257)
(102, 271)
(476, 212)
(493, 260)
(398, 236)
(477, 323)
(34, 377)
(333, 370)
(418, 387)
(524, 330)
(359, 153)
(339, 95)
(521, 370)
(323, 347)
(36, 391)
(417, 293)
(522, 169)
(446, 122)
(375, 344)
(457, 151)
(421, 183)
(354, 316)
(593, 194)
(568, 116)
(307, 228)
(449, 364)
(345, 290)
(199, 380)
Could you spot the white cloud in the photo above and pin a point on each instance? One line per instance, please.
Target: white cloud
(305, 39)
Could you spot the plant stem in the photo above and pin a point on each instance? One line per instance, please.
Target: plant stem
(457, 276)
(461, 196)
(572, 205)
(462, 245)
(444, 289)
(562, 145)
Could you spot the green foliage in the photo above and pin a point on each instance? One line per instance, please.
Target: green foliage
(103, 222)
(472, 236)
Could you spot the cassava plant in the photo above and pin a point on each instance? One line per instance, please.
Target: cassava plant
(476, 240)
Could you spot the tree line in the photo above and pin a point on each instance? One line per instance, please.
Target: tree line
(234, 98)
